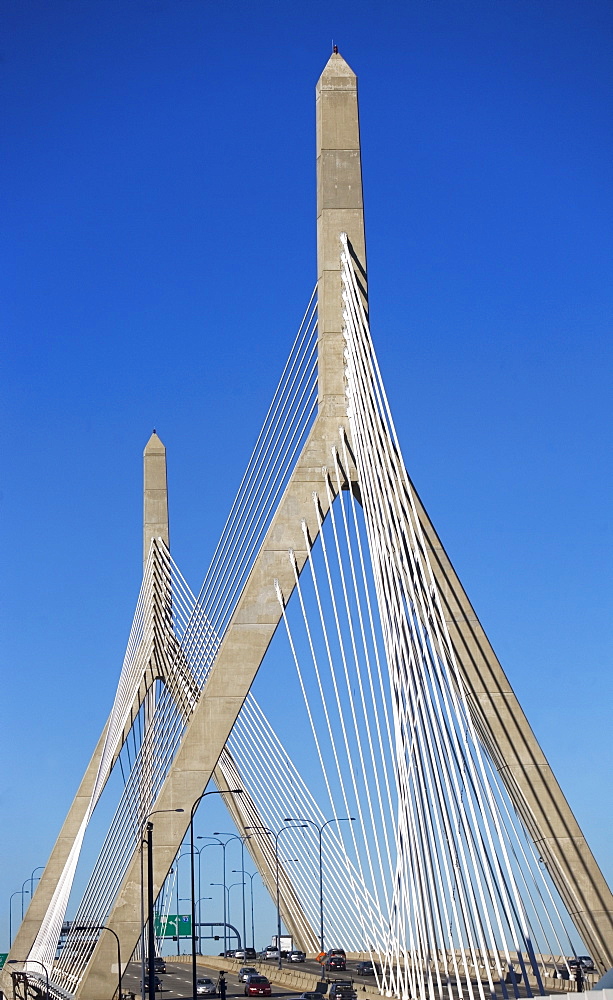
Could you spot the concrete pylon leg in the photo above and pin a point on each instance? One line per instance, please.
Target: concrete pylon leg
(257, 613)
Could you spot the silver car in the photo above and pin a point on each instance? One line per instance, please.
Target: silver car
(205, 987)
(245, 972)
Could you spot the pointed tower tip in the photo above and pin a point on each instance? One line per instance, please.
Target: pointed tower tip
(337, 66)
(154, 444)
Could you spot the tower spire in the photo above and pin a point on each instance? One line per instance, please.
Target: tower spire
(155, 494)
(340, 209)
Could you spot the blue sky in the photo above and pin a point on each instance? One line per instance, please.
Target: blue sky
(158, 251)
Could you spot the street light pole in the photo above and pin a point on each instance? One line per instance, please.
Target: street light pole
(16, 893)
(154, 812)
(225, 913)
(234, 836)
(26, 891)
(214, 791)
(229, 912)
(251, 877)
(320, 830)
(24, 961)
(39, 868)
(103, 927)
(182, 899)
(271, 833)
(150, 902)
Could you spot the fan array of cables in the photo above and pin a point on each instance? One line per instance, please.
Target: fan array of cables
(163, 673)
(424, 865)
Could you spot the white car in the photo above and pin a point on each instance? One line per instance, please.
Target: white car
(205, 987)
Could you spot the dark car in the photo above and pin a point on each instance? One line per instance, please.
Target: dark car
(157, 984)
(335, 963)
(159, 965)
(257, 986)
(584, 961)
(367, 969)
(250, 954)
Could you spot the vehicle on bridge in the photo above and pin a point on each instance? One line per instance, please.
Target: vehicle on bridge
(297, 956)
(206, 987)
(335, 961)
(245, 972)
(367, 969)
(159, 965)
(245, 954)
(270, 952)
(583, 961)
(257, 986)
(342, 989)
(144, 986)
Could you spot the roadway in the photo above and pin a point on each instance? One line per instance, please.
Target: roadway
(177, 980)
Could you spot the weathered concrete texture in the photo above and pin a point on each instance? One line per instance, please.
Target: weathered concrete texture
(522, 765)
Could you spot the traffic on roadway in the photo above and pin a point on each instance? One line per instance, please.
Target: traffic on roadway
(174, 980)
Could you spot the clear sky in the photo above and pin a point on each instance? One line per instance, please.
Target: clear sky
(158, 250)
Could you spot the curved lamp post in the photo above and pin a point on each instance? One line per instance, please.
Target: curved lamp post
(226, 907)
(271, 833)
(229, 917)
(24, 961)
(103, 927)
(235, 836)
(39, 868)
(251, 877)
(220, 843)
(150, 901)
(24, 891)
(320, 830)
(214, 791)
(11, 897)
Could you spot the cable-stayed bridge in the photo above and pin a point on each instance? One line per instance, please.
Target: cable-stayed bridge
(452, 857)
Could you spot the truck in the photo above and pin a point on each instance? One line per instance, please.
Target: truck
(284, 942)
(342, 989)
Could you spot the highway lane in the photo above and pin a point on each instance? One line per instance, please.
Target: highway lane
(177, 980)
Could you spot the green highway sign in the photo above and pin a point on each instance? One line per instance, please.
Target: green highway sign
(166, 926)
(3, 957)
